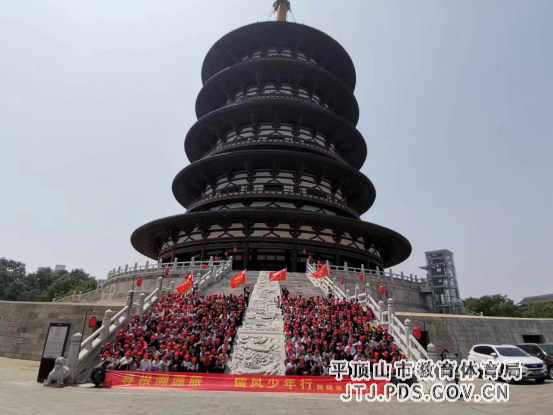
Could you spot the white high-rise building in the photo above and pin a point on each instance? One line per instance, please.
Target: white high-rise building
(59, 268)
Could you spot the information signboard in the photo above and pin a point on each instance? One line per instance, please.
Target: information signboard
(54, 347)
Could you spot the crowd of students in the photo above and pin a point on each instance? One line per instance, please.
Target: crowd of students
(194, 333)
(182, 333)
(319, 330)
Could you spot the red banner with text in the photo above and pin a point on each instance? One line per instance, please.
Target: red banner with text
(220, 382)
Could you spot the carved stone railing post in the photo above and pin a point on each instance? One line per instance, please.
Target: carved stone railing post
(159, 285)
(357, 289)
(367, 294)
(140, 308)
(74, 296)
(210, 267)
(129, 300)
(391, 308)
(74, 349)
(432, 355)
(106, 322)
(381, 310)
(171, 287)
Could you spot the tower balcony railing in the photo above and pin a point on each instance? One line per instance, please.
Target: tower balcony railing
(273, 139)
(242, 191)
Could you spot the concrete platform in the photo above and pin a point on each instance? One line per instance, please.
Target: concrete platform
(20, 394)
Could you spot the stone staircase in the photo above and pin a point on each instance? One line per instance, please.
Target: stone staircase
(298, 284)
(223, 286)
(259, 343)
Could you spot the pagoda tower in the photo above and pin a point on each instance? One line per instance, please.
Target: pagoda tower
(274, 158)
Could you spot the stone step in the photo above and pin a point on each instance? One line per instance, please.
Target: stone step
(298, 284)
(223, 287)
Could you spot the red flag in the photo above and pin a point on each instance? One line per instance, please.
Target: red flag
(186, 285)
(278, 275)
(321, 272)
(238, 279)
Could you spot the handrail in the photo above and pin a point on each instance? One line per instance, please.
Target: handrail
(119, 314)
(244, 191)
(472, 312)
(156, 267)
(90, 338)
(151, 295)
(347, 270)
(261, 139)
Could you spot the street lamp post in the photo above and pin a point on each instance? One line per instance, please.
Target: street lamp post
(132, 295)
(84, 323)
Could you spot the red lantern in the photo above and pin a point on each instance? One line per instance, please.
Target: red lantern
(310, 257)
(416, 333)
(361, 277)
(318, 262)
(304, 251)
(226, 253)
(92, 321)
(216, 258)
(204, 266)
(382, 289)
(166, 271)
(235, 249)
(76, 288)
(55, 295)
(331, 271)
(139, 282)
(342, 281)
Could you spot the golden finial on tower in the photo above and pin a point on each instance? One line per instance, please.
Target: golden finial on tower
(281, 8)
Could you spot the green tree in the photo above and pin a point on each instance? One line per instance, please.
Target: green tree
(12, 279)
(41, 285)
(537, 310)
(493, 306)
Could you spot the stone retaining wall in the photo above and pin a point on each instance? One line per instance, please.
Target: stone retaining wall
(458, 333)
(24, 325)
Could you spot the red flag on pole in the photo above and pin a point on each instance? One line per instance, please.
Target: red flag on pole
(186, 285)
(278, 275)
(321, 272)
(238, 279)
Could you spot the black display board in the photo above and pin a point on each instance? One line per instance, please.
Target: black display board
(54, 347)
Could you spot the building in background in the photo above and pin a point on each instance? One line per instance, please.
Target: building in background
(59, 268)
(442, 277)
(547, 298)
(274, 176)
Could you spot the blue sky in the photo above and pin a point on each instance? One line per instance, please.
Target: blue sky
(456, 108)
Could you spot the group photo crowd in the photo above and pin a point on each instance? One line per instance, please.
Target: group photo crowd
(190, 332)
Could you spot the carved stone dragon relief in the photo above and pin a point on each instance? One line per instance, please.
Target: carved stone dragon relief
(259, 344)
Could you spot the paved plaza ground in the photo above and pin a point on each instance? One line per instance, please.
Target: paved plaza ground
(20, 394)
